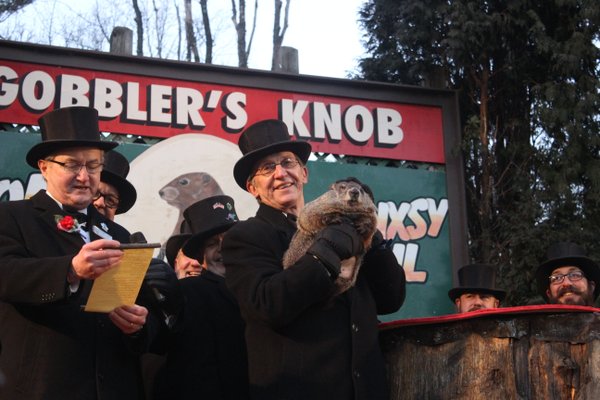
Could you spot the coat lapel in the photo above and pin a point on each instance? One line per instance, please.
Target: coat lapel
(48, 210)
(99, 227)
(220, 282)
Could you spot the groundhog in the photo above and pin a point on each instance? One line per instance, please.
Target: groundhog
(347, 200)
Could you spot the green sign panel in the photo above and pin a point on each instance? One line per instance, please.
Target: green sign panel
(412, 211)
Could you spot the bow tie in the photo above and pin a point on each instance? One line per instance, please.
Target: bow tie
(79, 216)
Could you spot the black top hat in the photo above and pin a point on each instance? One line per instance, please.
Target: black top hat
(175, 242)
(114, 172)
(67, 127)
(563, 254)
(477, 278)
(208, 217)
(261, 139)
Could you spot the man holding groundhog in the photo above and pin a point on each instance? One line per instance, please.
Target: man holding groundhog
(304, 343)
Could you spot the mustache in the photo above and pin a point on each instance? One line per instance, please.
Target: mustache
(567, 289)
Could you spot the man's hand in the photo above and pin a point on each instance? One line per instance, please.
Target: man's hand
(129, 319)
(161, 292)
(335, 243)
(95, 258)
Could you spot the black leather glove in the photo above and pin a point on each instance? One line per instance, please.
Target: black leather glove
(161, 293)
(379, 243)
(335, 243)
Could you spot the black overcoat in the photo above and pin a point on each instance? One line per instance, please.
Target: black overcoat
(51, 349)
(303, 344)
(206, 356)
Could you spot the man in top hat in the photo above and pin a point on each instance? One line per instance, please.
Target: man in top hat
(476, 288)
(206, 356)
(568, 276)
(183, 265)
(52, 247)
(304, 343)
(115, 195)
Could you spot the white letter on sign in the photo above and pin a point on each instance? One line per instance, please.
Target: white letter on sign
(73, 91)
(327, 118)
(188, 102)
(359, 123)
(107, 98)
(292, 115)
(8, 91)
(388, 126)
(160, 104)
(41, 82)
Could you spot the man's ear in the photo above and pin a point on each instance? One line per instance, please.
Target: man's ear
(457, 303)
(43, 167)
(548, 293)
(251, 188)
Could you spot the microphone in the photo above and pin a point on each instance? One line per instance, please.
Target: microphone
(137, 237)
(160, 299)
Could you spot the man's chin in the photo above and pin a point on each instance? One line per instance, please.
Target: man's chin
(79, 203)
(572, 300)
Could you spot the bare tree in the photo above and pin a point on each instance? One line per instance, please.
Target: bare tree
(178, 29)
(139, 23)
(159, 27)
(89, 30)
(279, 33)
(192, 48)
(9, 7)
(207, 32)
(240, 29)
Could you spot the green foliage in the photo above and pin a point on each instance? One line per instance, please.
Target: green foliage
(527, 76)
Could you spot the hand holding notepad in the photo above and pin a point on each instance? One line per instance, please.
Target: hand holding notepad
(121, 285)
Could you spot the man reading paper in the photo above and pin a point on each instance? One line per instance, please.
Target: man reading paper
(52, 247)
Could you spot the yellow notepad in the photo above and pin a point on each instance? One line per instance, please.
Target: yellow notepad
(120, 285)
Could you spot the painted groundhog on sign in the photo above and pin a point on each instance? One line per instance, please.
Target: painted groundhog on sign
(347, 200)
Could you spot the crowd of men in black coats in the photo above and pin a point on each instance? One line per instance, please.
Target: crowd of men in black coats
(240, 326)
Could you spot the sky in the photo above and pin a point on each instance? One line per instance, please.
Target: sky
(325, 32)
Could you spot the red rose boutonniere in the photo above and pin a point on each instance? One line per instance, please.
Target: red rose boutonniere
(66, 223)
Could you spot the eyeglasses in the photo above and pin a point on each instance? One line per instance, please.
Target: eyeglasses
(559, 278)
(92, 168)
(110, 201)
(268, 169)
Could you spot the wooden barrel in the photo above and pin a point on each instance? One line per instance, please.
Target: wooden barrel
(533, 352)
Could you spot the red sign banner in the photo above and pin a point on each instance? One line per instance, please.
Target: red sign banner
(160, 107)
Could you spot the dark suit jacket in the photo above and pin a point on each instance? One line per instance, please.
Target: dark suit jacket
(303, 344)
(51, 348)
(207, 352)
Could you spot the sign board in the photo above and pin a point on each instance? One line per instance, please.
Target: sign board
(411, 134)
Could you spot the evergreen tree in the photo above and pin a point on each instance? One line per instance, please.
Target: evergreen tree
(527, 75)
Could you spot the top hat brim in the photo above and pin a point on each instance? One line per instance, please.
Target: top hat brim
(243, 167)
(587, 265)
(43, 149)
(173, 245)
(455, 293)
(127, 193)
(194, 247)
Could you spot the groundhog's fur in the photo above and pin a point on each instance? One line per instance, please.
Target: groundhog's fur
(346, 201)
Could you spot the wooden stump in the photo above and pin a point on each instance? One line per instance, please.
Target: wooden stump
(543, 356)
